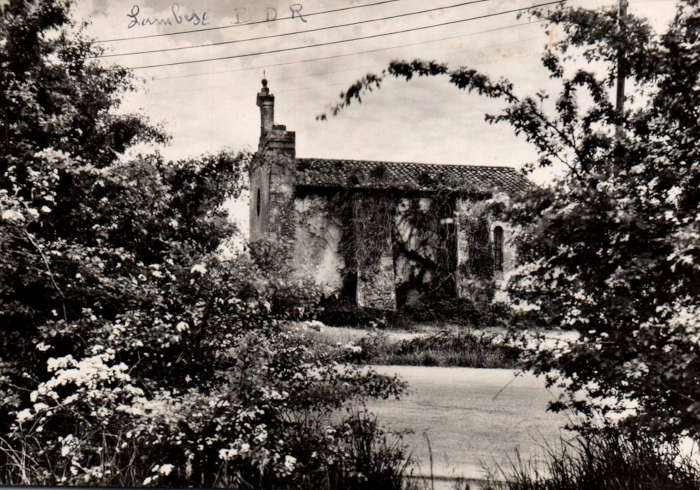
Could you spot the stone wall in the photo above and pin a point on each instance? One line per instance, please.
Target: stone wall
(317, 241)
(273, 184)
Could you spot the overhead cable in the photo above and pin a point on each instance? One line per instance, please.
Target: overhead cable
(345, 55)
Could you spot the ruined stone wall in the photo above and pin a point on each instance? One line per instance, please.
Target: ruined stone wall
(400, 265)
(394, 246)
(317, 241)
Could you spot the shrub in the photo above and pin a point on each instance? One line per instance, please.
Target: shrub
(343, 312)
(447, 349)
(460, 311)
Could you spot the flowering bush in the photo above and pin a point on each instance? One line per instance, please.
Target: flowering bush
(132, 352)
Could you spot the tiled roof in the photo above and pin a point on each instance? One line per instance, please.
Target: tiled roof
(318, 172)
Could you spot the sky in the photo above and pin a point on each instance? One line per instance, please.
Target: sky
(210, 105)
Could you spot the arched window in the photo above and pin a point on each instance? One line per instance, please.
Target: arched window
(498, 248)
(257, 202)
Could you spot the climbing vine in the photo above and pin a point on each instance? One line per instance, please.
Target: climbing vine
(425, 244)
(422, 232)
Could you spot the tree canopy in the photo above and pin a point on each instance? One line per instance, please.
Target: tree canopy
(612, 248)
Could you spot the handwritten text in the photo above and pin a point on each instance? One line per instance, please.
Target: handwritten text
(194, 18)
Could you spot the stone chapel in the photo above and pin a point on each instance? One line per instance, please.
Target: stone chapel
(382, 233)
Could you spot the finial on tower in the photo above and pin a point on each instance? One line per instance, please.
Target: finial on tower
(266, 102)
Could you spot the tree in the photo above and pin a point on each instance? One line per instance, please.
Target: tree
(611, 249)
(122, 325)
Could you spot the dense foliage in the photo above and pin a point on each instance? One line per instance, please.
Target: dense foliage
(462, 312)
(131, 351)
(611, 249)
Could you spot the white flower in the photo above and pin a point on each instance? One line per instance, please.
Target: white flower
(45, 209)
(42, 347)
(182, 326)
(12, 215)
(673, 194)
(198, 268)
(166, 469)
(24, 415)
(289, 462)
(262, 436)
(147, 480)
(353, 348)
(38, 407)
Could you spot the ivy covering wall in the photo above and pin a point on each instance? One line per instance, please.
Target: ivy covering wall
(397, 244)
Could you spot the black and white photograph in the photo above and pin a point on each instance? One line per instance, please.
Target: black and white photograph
(350, 244)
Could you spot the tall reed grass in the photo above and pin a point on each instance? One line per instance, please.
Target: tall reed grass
(602, 462)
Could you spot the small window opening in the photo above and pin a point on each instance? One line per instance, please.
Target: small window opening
(498, 248)
(257, 202)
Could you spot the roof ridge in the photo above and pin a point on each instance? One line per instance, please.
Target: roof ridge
(411, 163)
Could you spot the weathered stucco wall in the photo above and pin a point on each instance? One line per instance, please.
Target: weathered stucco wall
(317, 241)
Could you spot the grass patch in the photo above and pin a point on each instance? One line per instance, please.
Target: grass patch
(446, 348)
(450, 349)
(602, 462)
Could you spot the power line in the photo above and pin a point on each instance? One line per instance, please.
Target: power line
(273, 36)
(323, 58)
(339, 71)
(149, 36)
(283, 50)
(351, 80)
